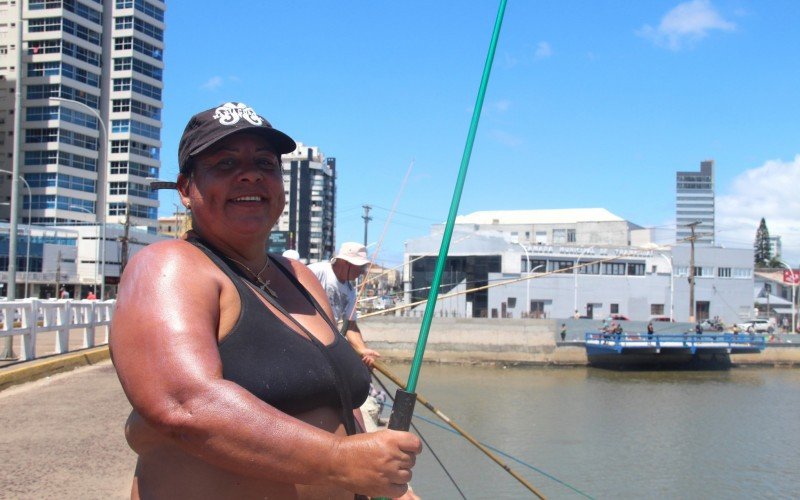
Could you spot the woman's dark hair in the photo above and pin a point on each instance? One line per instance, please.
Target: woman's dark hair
(187, 167)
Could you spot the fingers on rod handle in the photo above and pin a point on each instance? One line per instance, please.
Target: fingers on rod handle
(403, 410)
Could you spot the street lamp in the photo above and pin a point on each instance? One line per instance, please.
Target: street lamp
(527, 282)
(11, 292)
(530, 271)
(671, 286)
(575, 273)
(101, 197)
(794, 293)
(102, 234)
(28, 249)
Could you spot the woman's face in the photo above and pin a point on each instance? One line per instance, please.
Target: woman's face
(236, 187)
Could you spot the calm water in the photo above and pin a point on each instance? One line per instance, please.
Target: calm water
(730, 434)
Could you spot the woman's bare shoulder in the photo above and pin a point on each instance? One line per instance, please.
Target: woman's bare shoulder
(165, 263)
(166, 250)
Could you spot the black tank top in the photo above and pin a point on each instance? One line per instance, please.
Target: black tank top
(279, 366)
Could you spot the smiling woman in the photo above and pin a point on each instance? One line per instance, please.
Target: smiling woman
(240, 384)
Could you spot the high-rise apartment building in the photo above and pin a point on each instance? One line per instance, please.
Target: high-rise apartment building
(89, 74)
(306, 224)
(694, 202)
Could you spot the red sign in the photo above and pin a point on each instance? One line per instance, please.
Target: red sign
(791, 277)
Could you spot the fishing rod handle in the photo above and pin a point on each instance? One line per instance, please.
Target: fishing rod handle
(402, 411)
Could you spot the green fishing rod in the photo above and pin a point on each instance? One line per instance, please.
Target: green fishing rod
(405, 400)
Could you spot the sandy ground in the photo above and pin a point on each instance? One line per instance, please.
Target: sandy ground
(62, 437)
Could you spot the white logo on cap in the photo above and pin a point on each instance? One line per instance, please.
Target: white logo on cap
(230, 113)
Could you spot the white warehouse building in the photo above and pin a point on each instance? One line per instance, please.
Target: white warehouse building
(556, 263)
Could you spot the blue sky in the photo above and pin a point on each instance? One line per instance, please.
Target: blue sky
(590, 104)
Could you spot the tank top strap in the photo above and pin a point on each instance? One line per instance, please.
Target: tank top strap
(222, 263)
(304, 291)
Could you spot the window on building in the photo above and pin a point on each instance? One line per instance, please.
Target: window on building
(557, 265)
(538, 265)
(656, 309)
(614, 308)
(635, 269)
(121, 105)
(123, 43)
(541, 237)
(614, 268)
(724, 272)
(537, 309)
(559, 236)
(119, 146)
(118, 188)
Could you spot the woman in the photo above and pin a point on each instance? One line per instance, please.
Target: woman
(240, 385)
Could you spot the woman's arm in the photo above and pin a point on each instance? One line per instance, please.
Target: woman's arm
(164, 346)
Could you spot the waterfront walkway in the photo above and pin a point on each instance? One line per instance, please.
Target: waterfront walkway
(63, 436)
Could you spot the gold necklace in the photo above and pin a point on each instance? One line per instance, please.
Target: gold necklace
(262, 283)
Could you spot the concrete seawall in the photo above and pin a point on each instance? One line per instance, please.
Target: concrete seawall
(513, 342)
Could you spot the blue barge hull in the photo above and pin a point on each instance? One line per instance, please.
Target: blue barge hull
(692, 351)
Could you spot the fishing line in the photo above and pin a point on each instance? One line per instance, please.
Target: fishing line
(486, 287)
(381, 367)
(383, 234)
(416, 429)
(510, 457)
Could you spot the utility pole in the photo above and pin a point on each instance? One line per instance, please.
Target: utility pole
(692, 238)
(58, 276)
(123, 260)
(366, 218)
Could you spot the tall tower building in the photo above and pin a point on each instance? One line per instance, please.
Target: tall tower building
(694, 201)
(89, 74)
(306, 224)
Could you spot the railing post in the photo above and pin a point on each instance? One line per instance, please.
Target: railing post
(90, 319)
(63, 318)
(28, 321)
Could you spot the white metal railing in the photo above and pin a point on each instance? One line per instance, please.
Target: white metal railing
(30, 317)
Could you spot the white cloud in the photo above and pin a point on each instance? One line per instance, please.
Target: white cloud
(213, 83)
(505, 138)
(543, 51)
(769, 191)
(685, 24)
(509, 60)
(502, 105)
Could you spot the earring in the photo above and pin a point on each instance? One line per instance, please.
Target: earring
(188, 206)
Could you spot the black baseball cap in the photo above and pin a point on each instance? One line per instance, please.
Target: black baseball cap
(212, 125)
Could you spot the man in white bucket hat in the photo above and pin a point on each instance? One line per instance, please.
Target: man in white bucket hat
(336, 277)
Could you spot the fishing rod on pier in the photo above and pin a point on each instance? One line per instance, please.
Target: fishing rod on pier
(405, 399)
(425, 441)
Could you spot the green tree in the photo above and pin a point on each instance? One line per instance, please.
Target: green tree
(761, 250)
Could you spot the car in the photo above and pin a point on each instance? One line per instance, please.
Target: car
(618, 317)
(712, 325)
(660, 318)
(757, 325)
